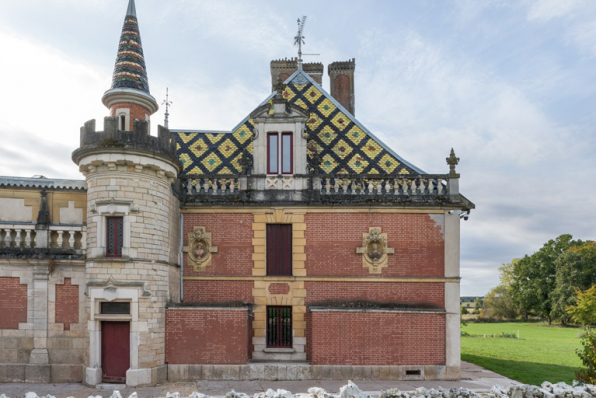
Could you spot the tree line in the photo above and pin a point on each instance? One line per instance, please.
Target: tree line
(545, 284)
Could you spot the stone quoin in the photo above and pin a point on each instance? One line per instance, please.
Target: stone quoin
(297, 245)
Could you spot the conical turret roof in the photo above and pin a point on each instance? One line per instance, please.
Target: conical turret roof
(130, 70)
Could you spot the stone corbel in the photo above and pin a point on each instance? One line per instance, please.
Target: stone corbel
(374, 250)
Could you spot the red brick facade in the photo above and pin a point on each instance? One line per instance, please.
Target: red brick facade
(206, 336)
(217, 291)
(67, 303)
(136, 112)
(422, 294)
(332, 239)
(232, 234)
(377, 338)
(13, 302)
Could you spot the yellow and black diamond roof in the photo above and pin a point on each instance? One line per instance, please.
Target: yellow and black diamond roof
(344, 146)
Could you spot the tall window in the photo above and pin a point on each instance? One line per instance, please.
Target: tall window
(279, 249)
(279, 327)
(272, 153)
(280, 153)
(114, 240)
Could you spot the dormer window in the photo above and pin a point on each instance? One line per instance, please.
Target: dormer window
(280, 153)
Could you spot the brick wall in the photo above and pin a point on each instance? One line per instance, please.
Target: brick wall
(232, 234)
(136, 112)
(13, 302)
(67, 303)
(203, 336)
(217, 291)
(422, 294)
(332, 238)
(377, 338)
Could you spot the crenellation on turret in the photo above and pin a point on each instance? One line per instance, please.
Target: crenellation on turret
(139, 138)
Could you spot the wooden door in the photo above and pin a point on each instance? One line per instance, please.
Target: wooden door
(115, 351)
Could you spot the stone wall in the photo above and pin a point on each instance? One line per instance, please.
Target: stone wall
(38, 348)
(207, 336)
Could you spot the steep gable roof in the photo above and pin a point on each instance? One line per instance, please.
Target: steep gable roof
(343, 144)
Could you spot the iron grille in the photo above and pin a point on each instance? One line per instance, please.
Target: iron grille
(279, 327)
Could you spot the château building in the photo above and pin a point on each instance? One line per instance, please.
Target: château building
(297, 245)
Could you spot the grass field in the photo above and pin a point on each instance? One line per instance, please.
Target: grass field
(542, 353)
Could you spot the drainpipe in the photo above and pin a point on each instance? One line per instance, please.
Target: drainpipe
(181, 257)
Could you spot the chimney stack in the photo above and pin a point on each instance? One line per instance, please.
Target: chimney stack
(284, 68)
(341, 76)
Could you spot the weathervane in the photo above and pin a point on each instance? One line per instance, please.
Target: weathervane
(299, 39)
(167, 103)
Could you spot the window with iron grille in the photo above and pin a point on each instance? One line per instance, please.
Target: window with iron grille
(279, 249)
(279, 327)
(114, 239)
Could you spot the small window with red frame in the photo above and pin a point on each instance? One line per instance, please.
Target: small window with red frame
(115, 236)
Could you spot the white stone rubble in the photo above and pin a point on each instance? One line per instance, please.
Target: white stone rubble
(351, 390)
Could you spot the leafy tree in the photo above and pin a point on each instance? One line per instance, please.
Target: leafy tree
(584, 311)
(576, 270)
(498, 304)
(587, 354)
(477, 303)
(534, 277)
(463, 310)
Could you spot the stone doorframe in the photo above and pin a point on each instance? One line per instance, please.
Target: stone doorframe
(111, 291)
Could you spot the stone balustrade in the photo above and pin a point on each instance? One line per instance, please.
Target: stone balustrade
(428, 185)
(25, 236)
(211, 185)
(17, 235)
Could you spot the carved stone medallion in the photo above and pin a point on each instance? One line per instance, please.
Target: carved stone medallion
(374, 250)
(199, 249)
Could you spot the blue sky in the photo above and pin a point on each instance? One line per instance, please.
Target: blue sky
(511, 85)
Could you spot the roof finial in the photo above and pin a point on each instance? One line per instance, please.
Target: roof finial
(167, 103)
(452, 161)
(299, 40)
(132, 11)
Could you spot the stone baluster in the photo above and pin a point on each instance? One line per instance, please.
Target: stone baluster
(336, 185)
(8, 238)
(71, 239)
(205, 186)
(60, 239)
(369, 187)
(327, 186)
(413, 188)
(17, 238)
(345, 186)
(431, 186)
(380, 187)
(422, 186)
(395, 186)
(232, 186)
(28, 238)
(189, 187)
(404, 186)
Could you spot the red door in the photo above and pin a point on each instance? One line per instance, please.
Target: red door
(115, 351)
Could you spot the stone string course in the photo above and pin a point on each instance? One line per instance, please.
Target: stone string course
(351, 390)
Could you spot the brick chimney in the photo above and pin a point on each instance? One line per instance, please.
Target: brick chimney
(341, 76)
(285, 67)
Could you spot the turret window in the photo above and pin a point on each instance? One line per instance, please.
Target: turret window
(280, 153)
(115, 236)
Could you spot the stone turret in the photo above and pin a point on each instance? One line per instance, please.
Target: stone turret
(341, 80)
(132, 265)
(129, 97)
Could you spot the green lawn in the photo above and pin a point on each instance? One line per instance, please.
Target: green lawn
(543, 353)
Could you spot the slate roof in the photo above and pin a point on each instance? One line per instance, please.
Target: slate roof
(343, 144)
(130, 70)
(42, 182)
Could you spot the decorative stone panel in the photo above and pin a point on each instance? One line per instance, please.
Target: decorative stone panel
(199, 249)
(374, 250)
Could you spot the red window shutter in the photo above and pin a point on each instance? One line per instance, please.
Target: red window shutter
(279, 249)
